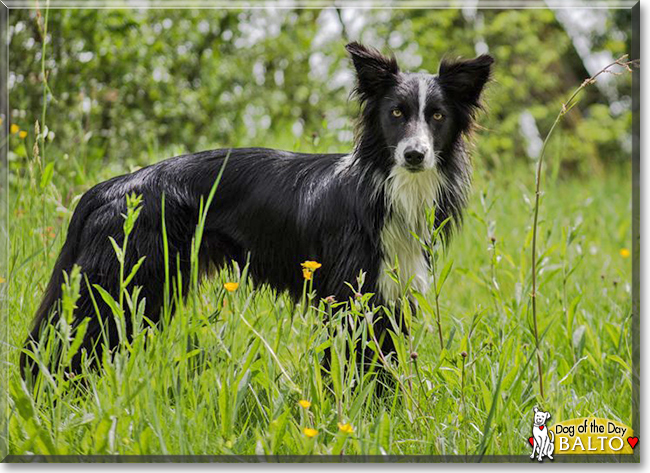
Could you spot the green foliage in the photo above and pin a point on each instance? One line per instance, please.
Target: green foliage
(225, 374)
(125, 84)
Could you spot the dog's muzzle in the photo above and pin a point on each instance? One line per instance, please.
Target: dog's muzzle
(414, 158)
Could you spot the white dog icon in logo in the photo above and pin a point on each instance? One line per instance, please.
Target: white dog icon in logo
(542, 439)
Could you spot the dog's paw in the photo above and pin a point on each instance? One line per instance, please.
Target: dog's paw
(550, 457)
(539, 458)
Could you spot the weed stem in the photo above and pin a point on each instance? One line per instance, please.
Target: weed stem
(566, 107)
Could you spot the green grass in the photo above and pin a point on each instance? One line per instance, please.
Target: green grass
(226, 373)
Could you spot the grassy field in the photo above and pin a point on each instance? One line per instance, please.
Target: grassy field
(231, 371)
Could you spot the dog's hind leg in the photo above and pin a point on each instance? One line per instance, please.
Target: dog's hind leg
(47, 312)
(551, 445)
(88, 246)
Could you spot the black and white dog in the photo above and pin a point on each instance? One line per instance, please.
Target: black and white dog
(351, 212)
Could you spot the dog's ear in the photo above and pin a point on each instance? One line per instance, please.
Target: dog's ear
(463, 80)
(548, 415)
(535, 409)
(375, 72)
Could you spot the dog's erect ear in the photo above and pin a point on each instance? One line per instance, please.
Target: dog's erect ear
(535, 409)
(463, 79)
(375, 72)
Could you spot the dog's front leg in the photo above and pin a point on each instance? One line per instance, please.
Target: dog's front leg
(542, 448)
(385, 345)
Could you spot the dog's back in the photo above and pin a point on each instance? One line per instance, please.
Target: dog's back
(279, 207)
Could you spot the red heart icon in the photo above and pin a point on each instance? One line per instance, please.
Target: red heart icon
(531, 440)
(633, 441)
(541, 427)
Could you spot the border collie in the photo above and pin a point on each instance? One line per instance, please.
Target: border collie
(275, 209)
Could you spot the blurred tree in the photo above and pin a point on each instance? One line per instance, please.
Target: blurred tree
(128, 85)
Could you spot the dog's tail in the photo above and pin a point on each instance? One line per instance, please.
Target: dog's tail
(46, 312)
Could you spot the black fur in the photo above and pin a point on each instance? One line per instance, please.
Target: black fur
(280, 207)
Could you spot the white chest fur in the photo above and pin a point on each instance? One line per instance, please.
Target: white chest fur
(408, 196)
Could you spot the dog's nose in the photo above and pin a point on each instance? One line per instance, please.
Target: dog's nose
(413, 157)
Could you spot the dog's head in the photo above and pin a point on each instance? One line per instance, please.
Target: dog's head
(419, 114)
(540, 417)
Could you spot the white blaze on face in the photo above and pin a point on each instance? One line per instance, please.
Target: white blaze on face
(422, 97)
(408, 196)
(421, 138)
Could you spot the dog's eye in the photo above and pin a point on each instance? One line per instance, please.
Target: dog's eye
(396, 112)
(438, 116)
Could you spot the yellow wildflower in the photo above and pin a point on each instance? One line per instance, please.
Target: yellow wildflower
(311, 265)
(346, 428)
(231, 286)
(304, 403)
(307, 274)
(14, 129)
(311, 433)
(22, 134)
(625, 253)
(2, 280)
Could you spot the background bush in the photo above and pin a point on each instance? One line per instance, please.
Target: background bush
(127, 83)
